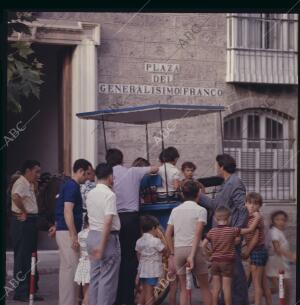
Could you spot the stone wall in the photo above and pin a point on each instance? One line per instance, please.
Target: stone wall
(197, 42)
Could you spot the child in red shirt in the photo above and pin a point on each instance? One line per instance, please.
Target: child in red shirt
(256, 249)
(222, 239)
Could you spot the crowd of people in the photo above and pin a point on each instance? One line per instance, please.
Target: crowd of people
(109, 250)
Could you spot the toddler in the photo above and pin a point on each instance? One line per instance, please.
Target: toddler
(188, 169)
(82, 275)
(150, 248)
(222, 240)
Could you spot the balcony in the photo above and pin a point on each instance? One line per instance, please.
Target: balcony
(262, 48)
(262, 66)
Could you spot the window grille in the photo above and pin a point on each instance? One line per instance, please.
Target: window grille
(262, 145)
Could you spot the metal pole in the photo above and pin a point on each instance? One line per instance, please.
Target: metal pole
(281, 288)
(147, 142)
(104, 135)
(189, 281)
(161, 131)
(32, 278)
(221, 129)
(163, 147)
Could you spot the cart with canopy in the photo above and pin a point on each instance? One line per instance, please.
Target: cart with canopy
(144, 116)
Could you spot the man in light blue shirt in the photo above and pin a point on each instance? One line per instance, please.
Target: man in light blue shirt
(126, 187)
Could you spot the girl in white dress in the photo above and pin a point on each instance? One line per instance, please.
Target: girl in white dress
(150, 248)
(280, 255)
(82, 275)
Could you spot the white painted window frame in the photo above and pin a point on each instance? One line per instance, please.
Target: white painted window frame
(286, 130)
(261, 65)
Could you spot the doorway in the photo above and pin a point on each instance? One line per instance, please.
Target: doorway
(47, 136)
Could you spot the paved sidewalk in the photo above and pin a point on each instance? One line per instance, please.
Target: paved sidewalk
(48, 266)
(48, 269)
(48, 262)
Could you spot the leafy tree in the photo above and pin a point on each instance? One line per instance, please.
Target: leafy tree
(24, 71)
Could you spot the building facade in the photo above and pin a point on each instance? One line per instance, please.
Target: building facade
(246, 62)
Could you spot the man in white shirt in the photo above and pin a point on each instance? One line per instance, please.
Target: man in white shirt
(103, 239)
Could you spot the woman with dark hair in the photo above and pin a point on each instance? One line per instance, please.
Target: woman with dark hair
(169, 173)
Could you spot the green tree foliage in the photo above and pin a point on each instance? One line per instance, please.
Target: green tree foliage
(24, 71)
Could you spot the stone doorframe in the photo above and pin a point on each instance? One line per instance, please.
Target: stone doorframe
(85, 37)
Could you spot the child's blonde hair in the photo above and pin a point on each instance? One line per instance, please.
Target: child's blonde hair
(222, 213)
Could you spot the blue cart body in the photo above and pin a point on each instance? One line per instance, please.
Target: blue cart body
(160, 210)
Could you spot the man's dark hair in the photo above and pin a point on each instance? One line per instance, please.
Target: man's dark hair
(188, 165)
(103, 170)
(29, 164)
(228, 163)
(169, 154)
(81, 164)
(140, 162)
(256, 197)
(148, 222)
(190, 190)
(114, 156)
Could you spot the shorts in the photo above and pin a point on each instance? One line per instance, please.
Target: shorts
(259, 257)
(182, 253)
(151, 281)
(225, 269)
